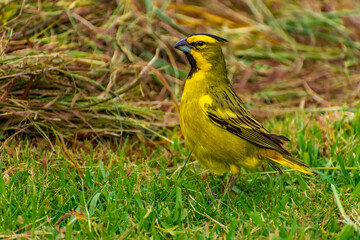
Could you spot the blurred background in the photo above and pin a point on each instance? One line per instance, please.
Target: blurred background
(90, 141)
(99, 69)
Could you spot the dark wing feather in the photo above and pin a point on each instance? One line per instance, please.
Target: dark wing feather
(228, 111)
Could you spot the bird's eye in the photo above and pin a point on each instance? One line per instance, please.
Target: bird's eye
(201, 43)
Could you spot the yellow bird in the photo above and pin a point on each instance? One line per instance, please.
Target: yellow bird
(217, 127)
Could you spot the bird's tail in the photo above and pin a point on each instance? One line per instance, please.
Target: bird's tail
(286, 160)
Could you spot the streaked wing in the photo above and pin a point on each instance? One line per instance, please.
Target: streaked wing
(227, 111)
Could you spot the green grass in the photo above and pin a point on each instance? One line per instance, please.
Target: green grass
(126, 190)
(86, 126)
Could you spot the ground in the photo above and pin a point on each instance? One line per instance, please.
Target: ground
(90, 141)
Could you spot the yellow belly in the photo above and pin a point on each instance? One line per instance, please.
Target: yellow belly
(213, 146)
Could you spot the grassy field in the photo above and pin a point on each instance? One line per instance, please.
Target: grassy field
(90, 142)
(137, 191)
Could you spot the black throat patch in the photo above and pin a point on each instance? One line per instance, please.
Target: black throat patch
(192, 64)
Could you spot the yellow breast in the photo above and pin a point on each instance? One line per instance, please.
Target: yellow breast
(213, 146)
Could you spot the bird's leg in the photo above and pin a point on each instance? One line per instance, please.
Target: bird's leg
(228, 187)
(231, 183)
(235, 171)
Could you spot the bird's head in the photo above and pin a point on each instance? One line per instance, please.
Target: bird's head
(203, 51)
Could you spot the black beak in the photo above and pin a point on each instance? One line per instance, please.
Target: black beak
(183, 45)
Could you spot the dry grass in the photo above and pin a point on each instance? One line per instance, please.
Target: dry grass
(81, 69)
(77, 73)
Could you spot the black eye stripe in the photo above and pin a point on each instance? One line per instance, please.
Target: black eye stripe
(195, 44)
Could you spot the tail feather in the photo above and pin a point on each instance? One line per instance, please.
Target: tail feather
(275, 167)
(286, 160)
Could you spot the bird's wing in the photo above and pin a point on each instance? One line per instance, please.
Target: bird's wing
(225, 109)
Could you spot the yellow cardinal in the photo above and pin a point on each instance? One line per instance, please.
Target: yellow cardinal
(219, 130)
